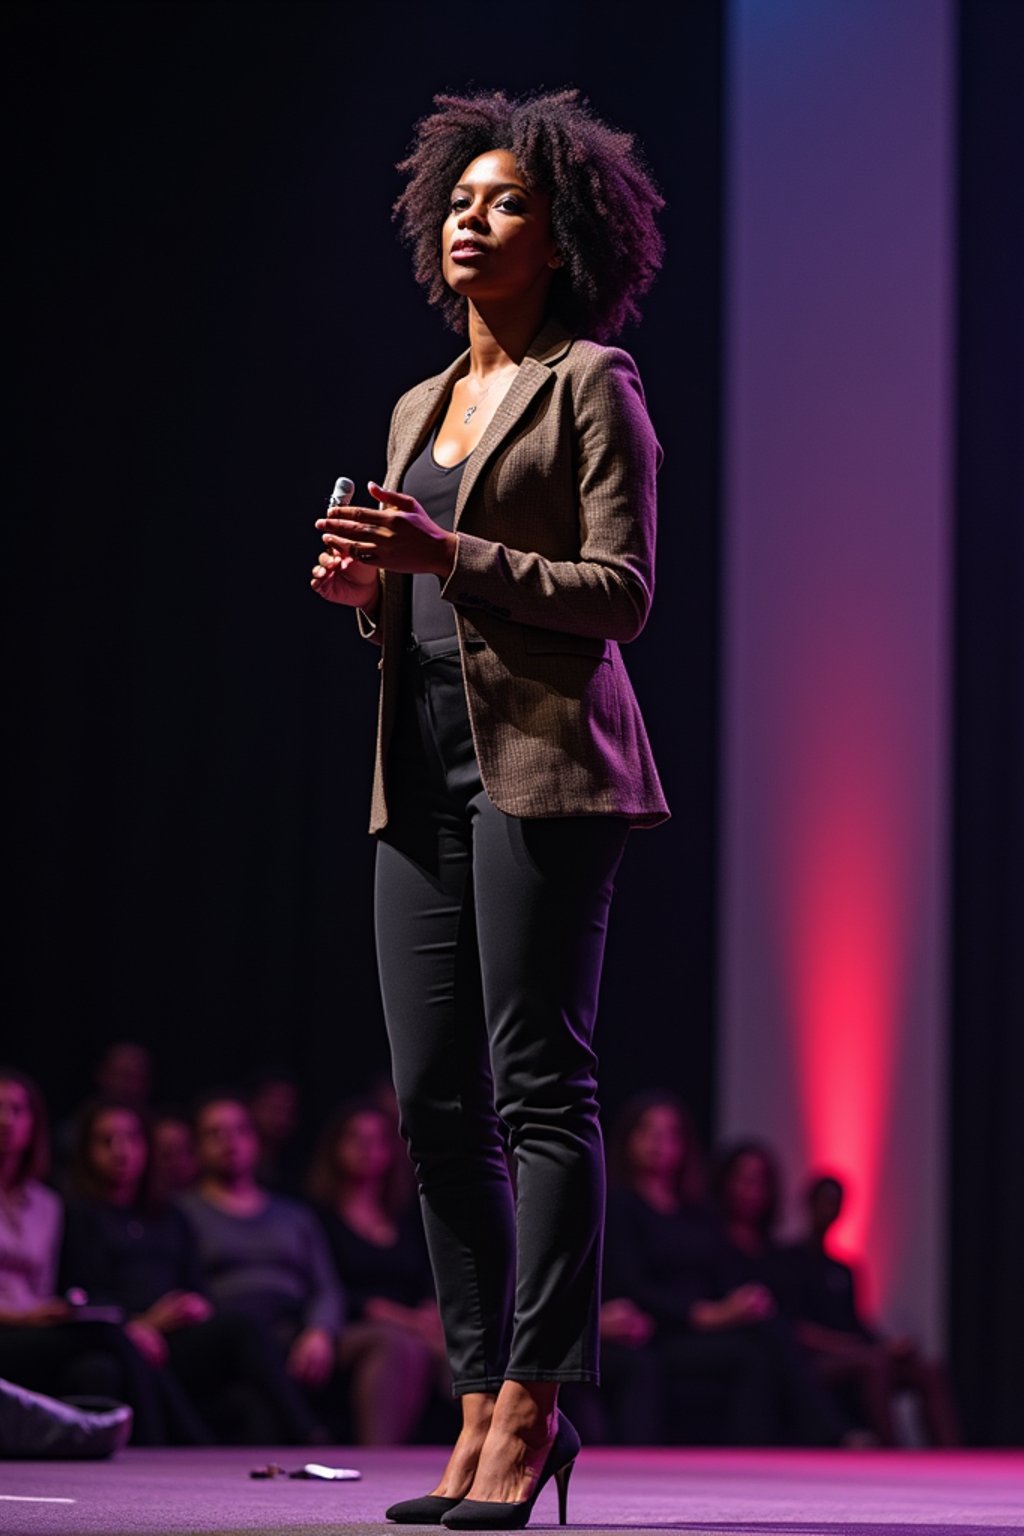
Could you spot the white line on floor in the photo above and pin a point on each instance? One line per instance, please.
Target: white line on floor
(28, 1498)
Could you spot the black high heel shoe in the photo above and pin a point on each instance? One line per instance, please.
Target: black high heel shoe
(488, 1515)
(426, 1510)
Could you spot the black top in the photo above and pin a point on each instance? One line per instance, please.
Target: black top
(823, 1291)
(400, 1272)
(128, 1257)
(662, 1262)
(770, 1268)
(436, 487)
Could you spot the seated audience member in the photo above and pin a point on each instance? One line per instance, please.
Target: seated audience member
(124, 1072)
(393, 1344)
(665, 1257)
(844, 1348)
(262, 1254)
(127, 1246)
(46, 1344)
(746, 1187)
(175, 1166)
(273, 1104)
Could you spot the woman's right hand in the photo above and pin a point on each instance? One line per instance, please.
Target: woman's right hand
(341, 579)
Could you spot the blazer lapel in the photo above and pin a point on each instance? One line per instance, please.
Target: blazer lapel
(419, 420)
(551, 342)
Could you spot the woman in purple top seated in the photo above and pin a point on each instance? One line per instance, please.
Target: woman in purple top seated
(393, 1343)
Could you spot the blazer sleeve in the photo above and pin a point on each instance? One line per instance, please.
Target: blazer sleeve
(607, 592)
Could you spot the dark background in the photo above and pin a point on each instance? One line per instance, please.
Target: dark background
(215, 319)
(210, 318)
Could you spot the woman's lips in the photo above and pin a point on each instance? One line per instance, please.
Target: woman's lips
(467, 252)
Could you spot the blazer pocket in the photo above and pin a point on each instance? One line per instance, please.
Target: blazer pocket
(558, 642)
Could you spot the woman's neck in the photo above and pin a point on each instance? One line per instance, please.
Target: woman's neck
(243, 1194)
(499, 335)
(658, 1191)
(746, 1237)
(364, 1195)
(124, 1196)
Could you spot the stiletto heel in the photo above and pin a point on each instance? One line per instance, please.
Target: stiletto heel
(493, 1515)
(562, 1477)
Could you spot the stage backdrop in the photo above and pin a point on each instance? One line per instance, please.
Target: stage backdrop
(213, 318)
(837, 420)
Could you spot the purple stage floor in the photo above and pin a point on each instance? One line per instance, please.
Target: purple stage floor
(747, 1493)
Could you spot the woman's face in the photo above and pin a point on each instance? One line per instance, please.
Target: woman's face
(496, 243)
(117, 1149)
(15, 1119)
(365, 1148)
(657, 1144)
(748, 1192)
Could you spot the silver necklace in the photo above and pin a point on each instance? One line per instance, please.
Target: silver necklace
(471, 411)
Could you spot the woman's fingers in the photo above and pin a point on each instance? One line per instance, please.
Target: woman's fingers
(391, 498)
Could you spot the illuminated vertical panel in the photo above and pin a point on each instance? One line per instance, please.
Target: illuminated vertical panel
(836, 649)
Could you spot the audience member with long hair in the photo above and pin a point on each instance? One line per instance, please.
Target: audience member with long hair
(126, 1244)
(46, 1343)
(393, 1344)
(666, 1257)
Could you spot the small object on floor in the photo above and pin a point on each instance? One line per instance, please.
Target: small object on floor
(313, 1470)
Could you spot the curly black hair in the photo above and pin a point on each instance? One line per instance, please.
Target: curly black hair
(603, 200)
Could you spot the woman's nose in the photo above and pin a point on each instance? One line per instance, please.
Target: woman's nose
(472, 217)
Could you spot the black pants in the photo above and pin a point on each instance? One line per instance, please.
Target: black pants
(490, 939)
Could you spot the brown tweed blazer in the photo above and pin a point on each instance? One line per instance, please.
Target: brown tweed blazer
(555, 567)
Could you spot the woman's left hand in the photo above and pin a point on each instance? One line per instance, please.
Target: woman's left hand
(398, 536)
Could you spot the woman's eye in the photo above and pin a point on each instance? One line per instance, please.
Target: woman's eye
(458, 203)
(510, 205)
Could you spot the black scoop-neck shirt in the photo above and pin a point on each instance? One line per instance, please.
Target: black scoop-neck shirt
(436, 488)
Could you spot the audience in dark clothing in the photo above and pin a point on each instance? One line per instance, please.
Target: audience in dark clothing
(125, 1246)
(844, 1349)
(393, 1344)
(221, 1309)
(667, 1254)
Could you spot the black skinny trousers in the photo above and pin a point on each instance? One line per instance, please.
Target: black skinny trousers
(490, 938)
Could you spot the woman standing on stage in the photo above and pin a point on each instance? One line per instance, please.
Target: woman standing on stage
(511, 553)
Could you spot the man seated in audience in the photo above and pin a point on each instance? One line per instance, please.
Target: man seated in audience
(262, 1254)
(844, 1348)
(125, 1244)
